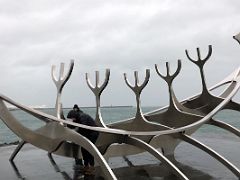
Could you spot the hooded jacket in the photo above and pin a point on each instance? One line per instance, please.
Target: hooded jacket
(85, 119)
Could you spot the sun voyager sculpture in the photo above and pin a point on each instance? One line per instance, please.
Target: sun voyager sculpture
(158, 132)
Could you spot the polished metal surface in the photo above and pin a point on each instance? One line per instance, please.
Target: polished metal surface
(60, 82)
(158, 132)
(237, 37)
(97, 90)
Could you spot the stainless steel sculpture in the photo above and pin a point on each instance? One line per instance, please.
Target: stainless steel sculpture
(157, 132)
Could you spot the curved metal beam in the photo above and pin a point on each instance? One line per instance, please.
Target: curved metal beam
(237, 37)
(18, 148)
(225, 126)
(87, 144)
(141, 144)
(17, 172)
(48, 117)
(229, 79)
(233, 106)
(211, 152)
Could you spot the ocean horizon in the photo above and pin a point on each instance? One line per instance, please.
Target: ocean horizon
(195, 163)
(112, 114)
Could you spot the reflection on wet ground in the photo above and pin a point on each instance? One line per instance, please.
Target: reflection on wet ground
(152, 171)
(34, 164)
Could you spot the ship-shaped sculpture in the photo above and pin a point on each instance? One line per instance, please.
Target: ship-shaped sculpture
(158, 132)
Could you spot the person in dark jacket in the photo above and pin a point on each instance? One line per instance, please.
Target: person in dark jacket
(83, 118)
(73, 114)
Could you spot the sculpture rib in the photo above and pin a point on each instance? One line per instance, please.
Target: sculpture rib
(225, 126)
(212, 153)
(49, 143)
(47, 117)
(141, 144)
(18, 148)
(21, 135)
(232, 79)
(87, 144)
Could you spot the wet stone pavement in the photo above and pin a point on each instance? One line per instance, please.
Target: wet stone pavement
(34, 164)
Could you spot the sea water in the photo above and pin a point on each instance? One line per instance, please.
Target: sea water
(114, 114)
(195, 163)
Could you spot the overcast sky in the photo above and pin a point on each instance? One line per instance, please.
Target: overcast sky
(123, 35)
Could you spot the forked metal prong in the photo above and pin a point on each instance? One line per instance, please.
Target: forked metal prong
(169, 78)
(97, 78)
(88, 82)
(60, 82)
(178, 69)
(146, 78)
(136, 78)
(137, 87)
(127, 81)
(104, 84)
(54, 78)
(61, 72)
(200, 62)
(97, 90)
(158, 72)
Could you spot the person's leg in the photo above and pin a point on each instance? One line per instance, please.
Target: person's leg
(91, 160)
(85, 156)
(88, 162)
(93, 139)
(90, 168)
(75, 150)
(89, 157)
(78, 162)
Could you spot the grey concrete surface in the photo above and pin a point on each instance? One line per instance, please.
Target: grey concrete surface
(34, 164)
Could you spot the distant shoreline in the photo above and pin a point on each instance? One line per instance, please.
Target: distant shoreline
(39, 108)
